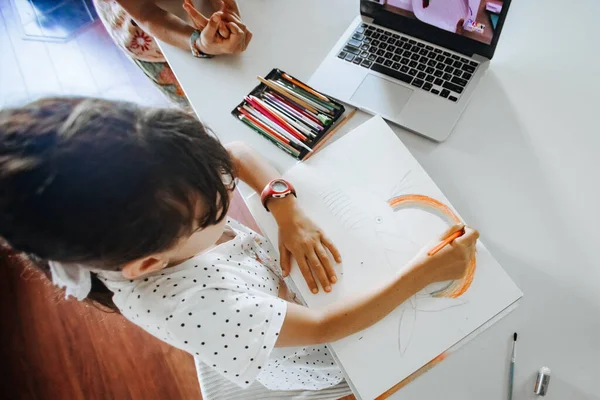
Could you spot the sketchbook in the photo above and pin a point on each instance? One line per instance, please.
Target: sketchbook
(376, 203)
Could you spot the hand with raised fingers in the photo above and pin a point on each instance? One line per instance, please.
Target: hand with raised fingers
(223, 32)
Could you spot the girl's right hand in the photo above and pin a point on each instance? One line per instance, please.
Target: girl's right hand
(451, 262)
(307, 326)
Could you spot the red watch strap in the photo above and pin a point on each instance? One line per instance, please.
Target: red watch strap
(268, 192)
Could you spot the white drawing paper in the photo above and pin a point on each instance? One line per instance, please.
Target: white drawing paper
(347, 190)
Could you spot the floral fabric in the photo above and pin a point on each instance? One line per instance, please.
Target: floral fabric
(141, 48)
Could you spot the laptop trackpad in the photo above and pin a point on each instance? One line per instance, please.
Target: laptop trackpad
(381, 96)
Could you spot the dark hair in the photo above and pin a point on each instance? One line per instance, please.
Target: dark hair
(101, 183)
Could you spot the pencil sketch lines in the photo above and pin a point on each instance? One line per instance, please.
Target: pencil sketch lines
(340, 205)
(421, 302)
(436, 297)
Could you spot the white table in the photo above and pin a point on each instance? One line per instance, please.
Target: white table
(522, 166)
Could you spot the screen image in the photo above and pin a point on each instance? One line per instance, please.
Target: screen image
(474, 19)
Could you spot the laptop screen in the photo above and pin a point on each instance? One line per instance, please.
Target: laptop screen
(473, 19)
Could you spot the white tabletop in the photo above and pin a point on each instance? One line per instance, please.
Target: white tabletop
(522, 166)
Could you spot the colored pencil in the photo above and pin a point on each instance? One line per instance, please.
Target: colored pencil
(289, 111)
(293, 120)
(307, 95)
(298, 107)
(303, 86)
(263, 126)
(295, 95)
(303, 93)
(298, 114)
(318, 117)
(284, 141)
(293, 153)
(261, 104)
(282, 92)
(279, 118)
(257, 125)
(283, 118)
(308, 101)
(290, 103)
(330, 134)
(446, 242)
(272, 122)
(248, 118)
(272, 126)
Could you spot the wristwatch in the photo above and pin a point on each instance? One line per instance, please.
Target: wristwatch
(196, 52)
(277, 188)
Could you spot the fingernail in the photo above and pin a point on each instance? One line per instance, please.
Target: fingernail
(334, 279)
(328, 288)
(315, 291)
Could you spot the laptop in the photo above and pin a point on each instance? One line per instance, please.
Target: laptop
(414, 62)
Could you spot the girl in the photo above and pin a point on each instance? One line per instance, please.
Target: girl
(129, 207)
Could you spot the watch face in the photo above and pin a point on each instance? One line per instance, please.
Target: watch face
(279, 186)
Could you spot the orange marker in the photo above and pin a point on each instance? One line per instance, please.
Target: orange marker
(446, 242)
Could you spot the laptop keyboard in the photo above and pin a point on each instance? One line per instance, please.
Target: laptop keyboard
(416, 63)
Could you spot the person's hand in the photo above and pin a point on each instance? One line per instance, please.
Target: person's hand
(228, 7)
(460, 26)
(451, 262)
(223, 33)
(199, 21)
(231, 13)
(300, 238)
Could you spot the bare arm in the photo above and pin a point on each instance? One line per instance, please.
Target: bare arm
(159, 23)
(251, 168)
(298, 235)
(257, 173)
(304, 326)
(222, 33)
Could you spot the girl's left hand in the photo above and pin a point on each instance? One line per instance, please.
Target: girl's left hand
(301, 238)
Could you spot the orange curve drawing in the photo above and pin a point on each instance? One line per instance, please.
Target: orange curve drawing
(455, 288)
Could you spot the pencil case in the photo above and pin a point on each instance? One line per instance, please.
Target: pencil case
(289, 113)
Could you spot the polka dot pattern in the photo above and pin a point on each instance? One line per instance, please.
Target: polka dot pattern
(222, 307)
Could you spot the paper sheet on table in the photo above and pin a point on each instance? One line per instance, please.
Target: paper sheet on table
(346, 190)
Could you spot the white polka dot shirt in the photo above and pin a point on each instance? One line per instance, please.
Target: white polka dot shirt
(222, 307)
